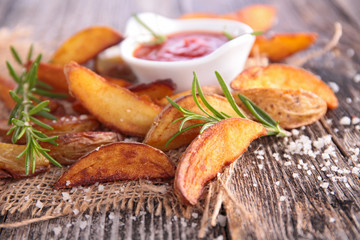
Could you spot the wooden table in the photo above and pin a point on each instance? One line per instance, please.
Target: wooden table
(284, 199)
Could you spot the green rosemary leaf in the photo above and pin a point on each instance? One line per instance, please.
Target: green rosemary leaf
(47, 115)
(17, 122)
(16, 55)
(257, 33)
(38, 107)
(193, 91)
(28, 157)
(183, 130)
(229, 96)
(228, 35)
(29, 56)
(260, 115)
(43, 85)
(49, 94)
(206, 125)
(35, 99)
(13, 73)
(203, 99)
(21, 134)
(40, 123)
(158, 38)
(52, 160)
(15, 97)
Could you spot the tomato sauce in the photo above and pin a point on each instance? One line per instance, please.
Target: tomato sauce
(182, 46)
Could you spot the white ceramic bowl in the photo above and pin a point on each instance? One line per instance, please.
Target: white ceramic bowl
(228, 59)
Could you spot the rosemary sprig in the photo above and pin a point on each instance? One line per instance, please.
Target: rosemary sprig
(231, 37)
(22, 117)
(272, 127)
(158, 38)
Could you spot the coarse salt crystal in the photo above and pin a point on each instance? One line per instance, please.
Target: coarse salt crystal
(309, 172)
(355, 120)
(67, 183)
(334, 86)
(75, 211)
(261, 166)
(83, 117)
(83, 225)
(295, 132)
(277, 183)
(348, 100)
(295, 175)
(26, 198)
(355, 170)
(345, 121)
(57, 230)
(111, 216)
(39, 204)
(116, 192)
(282, 198)
(101, 188)
(357, 78)
(221, 219)
(65, 196)
(332, 220)
(288, 163)
(319, 178)
(195, 215)
(324, 185)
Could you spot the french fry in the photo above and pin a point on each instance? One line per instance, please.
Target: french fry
(118, 161)
(292, 108)
(284, 77)
(282, 45)
(85, 45)
(16, 166)
(155, 90)
(260, 17)
(72, 146)
(5, 86)
(65, 124)
(112, 105)
(163, 127)
(218, 146)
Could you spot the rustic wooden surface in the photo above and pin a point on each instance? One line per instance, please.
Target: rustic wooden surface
(284, 201)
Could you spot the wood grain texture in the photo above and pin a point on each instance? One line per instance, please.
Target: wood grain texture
(283, 200)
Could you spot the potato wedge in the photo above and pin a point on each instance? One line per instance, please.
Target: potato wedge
(260, 17)
(155, 90)
(5, 86)
(85, 45)
(163, 127)
(112, 105)
(16, 166)
(205, 89)
(284, 77)
(53, 75)
(118, 161)
(282, 45)
(292, 108)
(218, 146)
(65, 124)
(117, 81)
(72, 146)
(4, 174)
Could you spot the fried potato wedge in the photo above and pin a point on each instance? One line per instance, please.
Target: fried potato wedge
(282, 45)
(284, 77)
(205, 89)
(54, 76)
(292, 108)
(260, 17)
(85, 45)
(117, 81)
(72, 146)
(218, 146)
(16, 166)
(118, 161)
(65, 124)
(5, 86)
(155, 90)
(163, 127)
(112, 105)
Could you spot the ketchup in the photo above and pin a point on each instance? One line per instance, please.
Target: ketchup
(182, 46)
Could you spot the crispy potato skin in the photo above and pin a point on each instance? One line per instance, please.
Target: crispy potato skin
(284, 77)
(65, 124)
(5, 86)
(155, 90)
(292, 108)
(163, 127)
(52, 75)
(72, 146)
(217, 147)
(118, 161)
(282, 45)
(85, 45)
(112, 105)
(14, 166)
